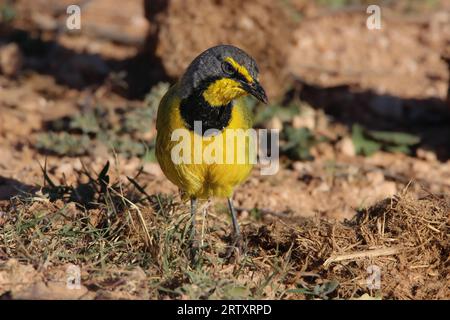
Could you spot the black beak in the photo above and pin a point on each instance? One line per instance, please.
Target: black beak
(256, 90)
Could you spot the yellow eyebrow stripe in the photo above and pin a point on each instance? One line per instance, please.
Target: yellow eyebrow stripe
(241, 69)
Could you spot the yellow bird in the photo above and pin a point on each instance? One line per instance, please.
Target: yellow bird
(205, 104)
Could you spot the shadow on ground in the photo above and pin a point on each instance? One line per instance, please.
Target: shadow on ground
(81, 70)
(427, 118)
(10, 188)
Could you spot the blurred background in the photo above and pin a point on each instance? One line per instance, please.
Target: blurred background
(369, 106)
(362, 112)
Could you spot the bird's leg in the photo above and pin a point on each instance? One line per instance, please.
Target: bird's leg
(236, 231)
(193, 212)
(193, 241)
(205, 212)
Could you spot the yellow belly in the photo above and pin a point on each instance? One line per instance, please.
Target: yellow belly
(204, 180)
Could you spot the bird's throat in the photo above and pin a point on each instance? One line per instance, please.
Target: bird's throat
(222, 91)
(195, 108)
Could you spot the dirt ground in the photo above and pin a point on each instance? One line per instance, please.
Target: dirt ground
(367, 183)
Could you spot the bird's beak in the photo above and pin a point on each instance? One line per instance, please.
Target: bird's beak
(256, 90)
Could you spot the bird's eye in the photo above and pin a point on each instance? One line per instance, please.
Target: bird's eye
(228, 68)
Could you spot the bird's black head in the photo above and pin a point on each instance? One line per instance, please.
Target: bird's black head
(221, 74)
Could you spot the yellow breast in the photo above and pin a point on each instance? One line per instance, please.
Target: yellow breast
(207, 178)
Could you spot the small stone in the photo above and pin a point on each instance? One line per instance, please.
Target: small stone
(426, 155)
(11, 59)
(244, 214)
(346, 147)
(302, 167)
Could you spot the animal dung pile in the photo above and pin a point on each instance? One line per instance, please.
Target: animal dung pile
(404, 239)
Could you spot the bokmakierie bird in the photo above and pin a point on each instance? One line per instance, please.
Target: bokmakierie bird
(209, 93)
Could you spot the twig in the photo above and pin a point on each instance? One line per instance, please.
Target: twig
(362, 254)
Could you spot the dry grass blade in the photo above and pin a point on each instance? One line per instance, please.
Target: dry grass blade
(147, 238)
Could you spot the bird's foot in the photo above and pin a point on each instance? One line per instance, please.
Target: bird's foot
(194, 249)
(236, 247)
